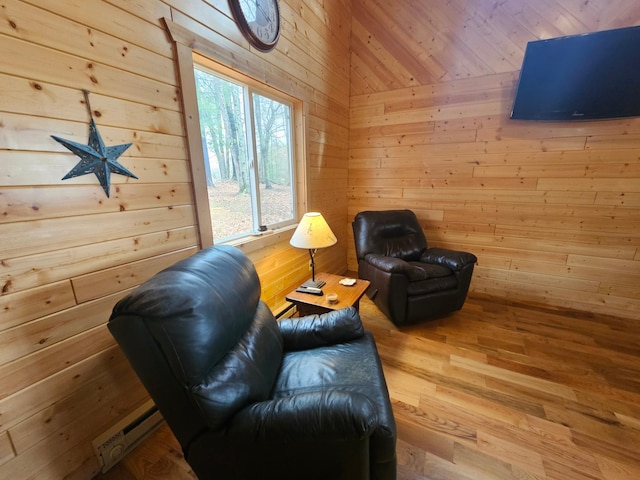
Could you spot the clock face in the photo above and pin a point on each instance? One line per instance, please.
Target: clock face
(259, 21)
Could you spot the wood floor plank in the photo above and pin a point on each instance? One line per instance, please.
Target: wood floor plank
(477, 464)
(518, 455)
(496, 391)
(424, 439)
(482, 406)
(514, 377)
(612, 470)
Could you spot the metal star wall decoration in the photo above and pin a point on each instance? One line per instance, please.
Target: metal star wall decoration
(95, 157)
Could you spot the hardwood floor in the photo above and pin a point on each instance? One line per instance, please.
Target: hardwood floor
(496, 391)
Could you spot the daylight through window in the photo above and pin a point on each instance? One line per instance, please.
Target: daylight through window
(247, 139)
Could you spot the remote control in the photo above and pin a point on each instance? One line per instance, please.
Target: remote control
(311, 290)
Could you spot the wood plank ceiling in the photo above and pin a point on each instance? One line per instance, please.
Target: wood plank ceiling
(417, 42)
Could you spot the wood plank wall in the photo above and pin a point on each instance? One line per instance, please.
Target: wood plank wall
(551, 209)
(68, 253)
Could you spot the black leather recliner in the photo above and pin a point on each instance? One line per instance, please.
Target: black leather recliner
(249, 397)
(409, 281)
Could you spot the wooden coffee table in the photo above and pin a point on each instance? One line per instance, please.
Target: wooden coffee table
(308, 304)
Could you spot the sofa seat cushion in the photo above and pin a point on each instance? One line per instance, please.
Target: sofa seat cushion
(352, 367)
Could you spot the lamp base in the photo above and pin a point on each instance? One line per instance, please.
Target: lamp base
(312, 283)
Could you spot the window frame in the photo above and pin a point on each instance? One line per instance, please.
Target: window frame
(251, 89)
(192, 49)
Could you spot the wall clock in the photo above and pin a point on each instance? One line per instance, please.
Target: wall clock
(259, 21)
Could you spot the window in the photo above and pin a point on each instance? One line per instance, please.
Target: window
(248, 142)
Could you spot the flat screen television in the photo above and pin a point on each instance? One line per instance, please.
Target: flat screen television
(580, 77)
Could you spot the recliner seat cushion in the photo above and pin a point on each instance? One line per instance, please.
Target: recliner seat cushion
(427, 278)
(348, 367)
(426, 271)
(431, 285)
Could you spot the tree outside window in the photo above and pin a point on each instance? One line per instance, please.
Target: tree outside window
(247, 143)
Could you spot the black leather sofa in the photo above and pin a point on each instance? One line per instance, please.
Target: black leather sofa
(409, 281)
(250, 397)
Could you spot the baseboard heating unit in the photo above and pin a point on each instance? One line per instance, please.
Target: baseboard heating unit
(120, 439)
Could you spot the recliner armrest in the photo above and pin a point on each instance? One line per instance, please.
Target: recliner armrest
(319, 415)
(453, 259)
(315, 331)
(388, 264)
(395, 265)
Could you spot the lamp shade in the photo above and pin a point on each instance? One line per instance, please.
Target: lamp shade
(313, 232)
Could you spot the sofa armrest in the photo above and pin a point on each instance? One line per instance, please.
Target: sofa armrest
(453, 259)
(314, 331)
(320, 415)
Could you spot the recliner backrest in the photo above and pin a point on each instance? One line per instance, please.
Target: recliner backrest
(392, 233)
(212, 346)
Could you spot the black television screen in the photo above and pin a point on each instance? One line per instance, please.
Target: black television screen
(580, 77)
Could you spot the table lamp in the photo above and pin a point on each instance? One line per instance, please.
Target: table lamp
(312, 233)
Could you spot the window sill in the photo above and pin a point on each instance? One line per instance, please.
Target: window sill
(262, 239)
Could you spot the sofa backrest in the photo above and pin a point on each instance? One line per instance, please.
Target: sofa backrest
(392, 233)
(200, 339)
